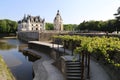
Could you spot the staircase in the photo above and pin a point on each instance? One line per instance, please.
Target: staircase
(73, 70)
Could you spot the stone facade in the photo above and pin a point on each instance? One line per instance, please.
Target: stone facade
(31, 23)
(28, 35)
(58, 22)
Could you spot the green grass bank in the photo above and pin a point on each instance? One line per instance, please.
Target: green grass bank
(5, 73)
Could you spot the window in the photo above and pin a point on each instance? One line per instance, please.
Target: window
(36, 28)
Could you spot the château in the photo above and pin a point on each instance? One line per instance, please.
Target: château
(31, 23)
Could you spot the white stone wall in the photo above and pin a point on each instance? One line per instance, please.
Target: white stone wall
(31, 26)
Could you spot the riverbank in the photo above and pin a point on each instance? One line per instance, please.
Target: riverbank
(10, 37)
(5, 73)
(7, 35)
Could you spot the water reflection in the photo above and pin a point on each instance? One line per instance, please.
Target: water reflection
(30, 57)
(5, 46)
(27, 55)
(21, 47)
(20, 64)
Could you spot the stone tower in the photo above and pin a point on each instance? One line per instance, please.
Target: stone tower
(58, 22)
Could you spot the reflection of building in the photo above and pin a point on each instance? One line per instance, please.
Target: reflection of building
(58, 22)
(31, 23)
(21, 47)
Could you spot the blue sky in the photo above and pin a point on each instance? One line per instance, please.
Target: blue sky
(72, 11)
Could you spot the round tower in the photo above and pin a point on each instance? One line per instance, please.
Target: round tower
(58, 22)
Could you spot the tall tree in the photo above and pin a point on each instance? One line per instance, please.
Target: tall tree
(117, 16)
(8, 26)
(70, 27)
(106, 26)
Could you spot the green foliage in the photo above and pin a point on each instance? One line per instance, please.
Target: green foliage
(107, 26)
(117, 16)
(104, 47)
(5, 73)
(49, 26)
(70, 27)
(8, 26)
(67, 27)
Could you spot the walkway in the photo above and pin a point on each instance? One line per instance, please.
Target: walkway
(43, 68)
(96, 71)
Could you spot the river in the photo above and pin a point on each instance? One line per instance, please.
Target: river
(19, 63)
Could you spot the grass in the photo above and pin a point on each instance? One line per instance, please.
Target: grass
(5, 73)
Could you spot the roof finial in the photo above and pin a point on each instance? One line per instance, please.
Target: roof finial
(58, 12)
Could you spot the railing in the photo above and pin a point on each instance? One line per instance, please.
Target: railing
(84, 57)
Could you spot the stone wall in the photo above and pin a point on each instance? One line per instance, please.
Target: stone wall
(47, 35)
(38, 36)
(53, 53)
(45, 49)
(28, 35)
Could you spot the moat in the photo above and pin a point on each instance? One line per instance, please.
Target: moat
(20, 64)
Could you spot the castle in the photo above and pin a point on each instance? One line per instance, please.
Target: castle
(31, 23)
(35, 23)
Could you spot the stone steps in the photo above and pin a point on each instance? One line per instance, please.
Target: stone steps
(73, 70)
(73, 78)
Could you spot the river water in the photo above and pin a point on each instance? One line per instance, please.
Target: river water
(19, 64)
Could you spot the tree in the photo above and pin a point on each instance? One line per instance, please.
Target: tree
(106, 26)
(13, 27)
(3, 26)
(8, 26)
(117, 16)
(49, 26)
(70, 27)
